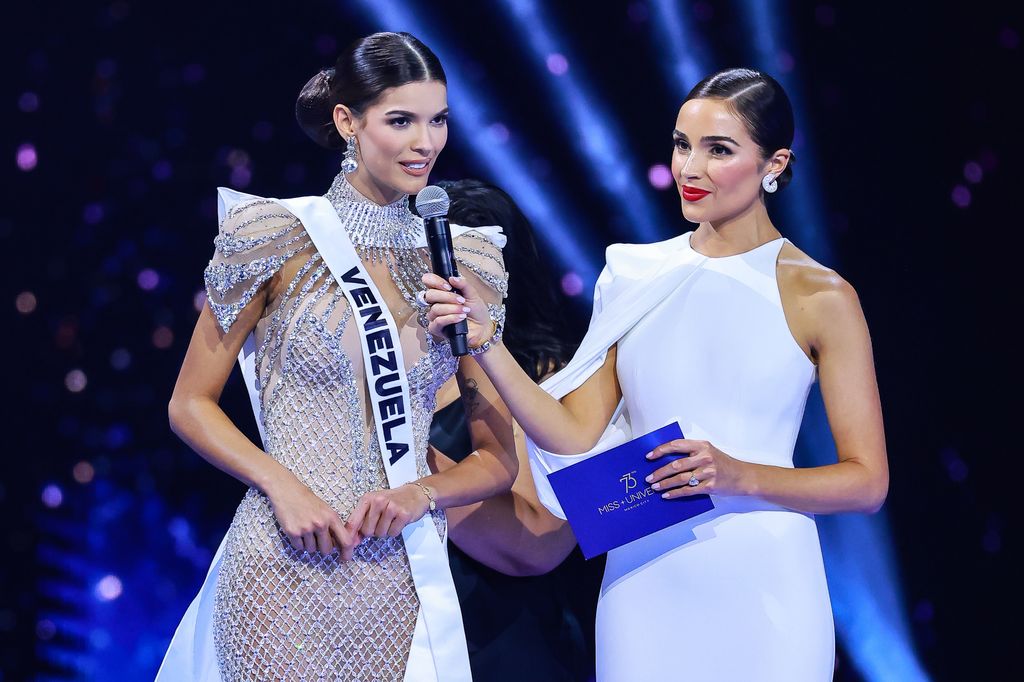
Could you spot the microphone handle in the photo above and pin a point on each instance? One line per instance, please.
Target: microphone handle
(442, 262)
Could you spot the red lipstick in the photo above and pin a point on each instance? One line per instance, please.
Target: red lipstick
(694, 193)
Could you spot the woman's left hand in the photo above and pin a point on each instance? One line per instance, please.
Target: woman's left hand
(384, 513)
(716, 472)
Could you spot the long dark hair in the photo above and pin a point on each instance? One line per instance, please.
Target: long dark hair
(536, 332)
(760, 101)
(361, 74)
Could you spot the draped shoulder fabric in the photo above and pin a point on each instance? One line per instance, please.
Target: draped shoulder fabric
(636, 278)
(704, 341)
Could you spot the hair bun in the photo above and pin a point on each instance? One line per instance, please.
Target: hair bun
(315, 113)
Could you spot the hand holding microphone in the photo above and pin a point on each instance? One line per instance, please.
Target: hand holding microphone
(457, 311)
(432, 204)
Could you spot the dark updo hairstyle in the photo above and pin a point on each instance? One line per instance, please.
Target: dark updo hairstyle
(761, 103)
(536, 331)
(360, 75)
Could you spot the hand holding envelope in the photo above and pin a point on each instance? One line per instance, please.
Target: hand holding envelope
(608, 502)
(714, 471)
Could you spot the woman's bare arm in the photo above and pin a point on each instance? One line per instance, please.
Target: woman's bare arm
(511, 532)
(825, 316)
(859, 481)
(570, 426)
(197, 418)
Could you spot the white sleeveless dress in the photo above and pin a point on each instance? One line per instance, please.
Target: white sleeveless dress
(737, 593)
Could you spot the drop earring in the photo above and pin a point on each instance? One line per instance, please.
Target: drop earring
(351, 161)
(769, 183)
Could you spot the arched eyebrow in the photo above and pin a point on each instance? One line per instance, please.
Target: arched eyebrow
(409, 114)
(707, 139)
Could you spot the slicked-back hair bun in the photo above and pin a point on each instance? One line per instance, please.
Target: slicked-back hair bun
(761, 103)
(361, 74)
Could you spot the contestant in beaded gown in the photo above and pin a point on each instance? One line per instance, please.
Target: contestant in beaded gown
(281, 613)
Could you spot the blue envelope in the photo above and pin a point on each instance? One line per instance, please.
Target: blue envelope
(609, 504)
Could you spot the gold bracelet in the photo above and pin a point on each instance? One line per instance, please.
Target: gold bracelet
(426, 491)
(494, 330)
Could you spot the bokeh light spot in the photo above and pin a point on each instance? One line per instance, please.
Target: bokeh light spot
(660, 176)
(148, 279)
(163, 337)
(109, 588)
(53, 497)
(199, 300)
(572, 284)
(973, 172)
(27, 158)
(28, 102)
(45, 630)
(25, 302)
(83, 472)
(961, 196)
(120, 359)
(557, 64)
(76, 381)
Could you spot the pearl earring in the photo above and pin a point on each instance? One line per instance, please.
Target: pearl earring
(350, 162)
(769, 183)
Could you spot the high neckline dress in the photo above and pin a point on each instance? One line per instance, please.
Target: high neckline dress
(737, 593)
(278, 613)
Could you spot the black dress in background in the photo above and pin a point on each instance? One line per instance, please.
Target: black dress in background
(537, 628)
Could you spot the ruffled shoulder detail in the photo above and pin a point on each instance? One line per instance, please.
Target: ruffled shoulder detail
(255, 238)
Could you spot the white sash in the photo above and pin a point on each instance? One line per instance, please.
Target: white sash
(388, 387)
(439, 641)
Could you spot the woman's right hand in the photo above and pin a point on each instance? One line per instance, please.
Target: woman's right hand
(448, 307)
(309, 523)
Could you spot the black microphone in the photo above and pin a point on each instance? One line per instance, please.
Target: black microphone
(432, 204)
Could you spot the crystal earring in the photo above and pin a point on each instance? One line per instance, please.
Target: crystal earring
(351, 161)
(769, 183)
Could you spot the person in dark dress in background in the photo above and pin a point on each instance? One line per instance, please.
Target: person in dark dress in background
(528, 597)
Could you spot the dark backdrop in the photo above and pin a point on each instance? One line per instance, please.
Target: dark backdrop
(120, 119)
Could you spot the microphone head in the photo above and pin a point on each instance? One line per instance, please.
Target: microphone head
(432, 202)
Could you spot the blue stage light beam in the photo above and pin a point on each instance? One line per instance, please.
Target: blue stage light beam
(863, 581)
(610, 163)
(558, 225)
(805, 217)
(689, 54)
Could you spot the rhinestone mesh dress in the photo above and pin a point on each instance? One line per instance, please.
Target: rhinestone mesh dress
(286, 614)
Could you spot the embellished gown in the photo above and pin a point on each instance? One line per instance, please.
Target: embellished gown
(286, 614)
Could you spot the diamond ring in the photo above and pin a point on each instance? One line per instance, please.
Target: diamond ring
(693, 480)
(421, 299)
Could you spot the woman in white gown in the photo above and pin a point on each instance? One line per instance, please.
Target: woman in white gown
(723, 329)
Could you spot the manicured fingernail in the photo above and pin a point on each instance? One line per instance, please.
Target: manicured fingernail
(656, 486)
(460, 299)
(447, 286)
(462, 316)
(649, 478)
(649, 455)
(664, 495)
(465, 309)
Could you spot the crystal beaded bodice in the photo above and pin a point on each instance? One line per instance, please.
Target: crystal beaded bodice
(278, 612)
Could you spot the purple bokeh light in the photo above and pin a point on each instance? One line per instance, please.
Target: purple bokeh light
(557, 64)
(660, 176)
(27, 157)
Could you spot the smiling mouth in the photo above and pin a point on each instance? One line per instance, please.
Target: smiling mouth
(694, 193)
(415, 165)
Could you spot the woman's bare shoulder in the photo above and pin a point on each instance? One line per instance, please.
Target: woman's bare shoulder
(821, 300)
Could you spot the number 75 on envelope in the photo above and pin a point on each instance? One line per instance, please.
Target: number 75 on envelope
(609, 504)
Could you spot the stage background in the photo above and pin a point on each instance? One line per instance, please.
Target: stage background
(120, 119)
